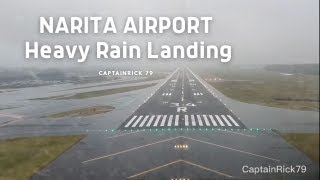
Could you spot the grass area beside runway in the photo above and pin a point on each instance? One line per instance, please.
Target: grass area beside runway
(89, 111)
(298, 92)
(98, 93)
(306, 143)
(21, 158)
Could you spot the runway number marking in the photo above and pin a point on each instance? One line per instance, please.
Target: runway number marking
(183, 109)
(174, 104)
(178, 104)
(190, 104)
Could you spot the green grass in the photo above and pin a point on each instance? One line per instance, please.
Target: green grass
(299, 92)
(306, 143)
(22, 157)
(82, 112)
(92, 94)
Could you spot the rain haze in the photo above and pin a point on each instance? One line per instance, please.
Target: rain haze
(185, 115)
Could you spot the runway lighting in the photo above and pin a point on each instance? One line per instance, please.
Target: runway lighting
(181, 146)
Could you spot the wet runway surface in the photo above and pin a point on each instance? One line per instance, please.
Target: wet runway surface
(181, 131)
(182, 102)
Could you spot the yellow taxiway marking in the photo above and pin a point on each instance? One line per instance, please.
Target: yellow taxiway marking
(183, 161)
(131, 149)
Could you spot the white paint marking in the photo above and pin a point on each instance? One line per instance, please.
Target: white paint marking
(176, 121)
(170, 120)
(157, 120)
(213, 121)
(163, 120)
(234, 122)
(226, 120)
(206, 120)
(150, 121)
(193, 122)
(143, 121)
(186, 121)
(183, 109)
(131, 120)
(137, 121)
(199, 120)
(219, 120)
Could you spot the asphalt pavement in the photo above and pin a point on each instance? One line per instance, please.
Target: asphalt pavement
(181, 131)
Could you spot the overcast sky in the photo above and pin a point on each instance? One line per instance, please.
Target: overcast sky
(260, 31)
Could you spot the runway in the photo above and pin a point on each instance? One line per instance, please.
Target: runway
(182, 102)
(181, 131)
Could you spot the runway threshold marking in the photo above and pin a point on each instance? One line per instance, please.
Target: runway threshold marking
(137, 121)
(213, 121)
(143, 121)
(157, 120)
(234, 122)
(131, 120)
(219, 120)
(150, 121)
(226, 120)
(193, 120)
(180, 161)
(176, 121)
(186, 121)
